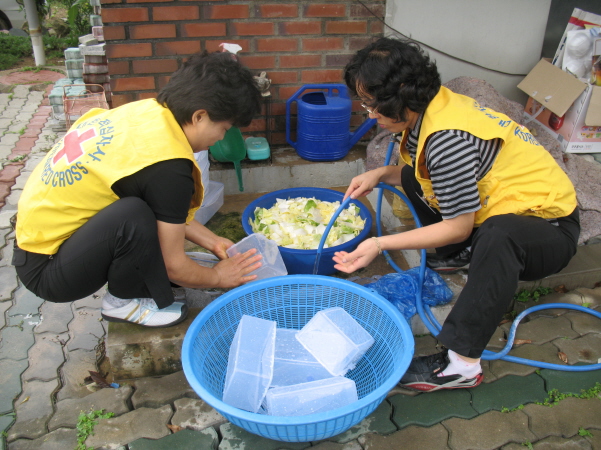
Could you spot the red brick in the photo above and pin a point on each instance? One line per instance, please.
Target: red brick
(378, 10)
(376, 27)
(115, 15)
(283, 77)
(10, 172)
(24, 145)
(321, 76)
(338, 59)
(128, 50)
(357, 43)
(277, 45)
(226, 12)
(273, 10)
(213, 45)
(108, 2)
(288, 61)
(145, 95)
(255, 125)
(118, 67)
(346, 27)
(279, 108)
(304, 27)
(284, 93)
(144, 1)
(203, 29)
(325, 43)
(252, 29)
(171, 13)
(154, 31)
(155, 65)
(113, 32)
(162, 81)
(121, 99)
(176, 48)
(132, 84)
(258, 62)
(325, 10)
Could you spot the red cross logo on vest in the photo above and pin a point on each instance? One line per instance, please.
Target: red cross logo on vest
(72, 148)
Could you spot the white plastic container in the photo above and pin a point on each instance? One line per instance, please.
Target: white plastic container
(310, 398)
(250, 363)
(335, 339)
(202, 158)
(293, 364)
(212, 202)
(272, 262)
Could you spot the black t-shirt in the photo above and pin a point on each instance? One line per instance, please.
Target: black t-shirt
(166, 186)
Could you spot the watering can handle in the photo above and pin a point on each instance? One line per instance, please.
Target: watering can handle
(359, 132)
(341, 88)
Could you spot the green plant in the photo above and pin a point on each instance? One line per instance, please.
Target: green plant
(12, 49)
(582, 432)
(85, 426)
(22, 132)
(18, 158)
(528, 444)
(525, 295)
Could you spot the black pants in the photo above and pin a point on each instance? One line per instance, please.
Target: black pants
(505, 249)
(119, 245)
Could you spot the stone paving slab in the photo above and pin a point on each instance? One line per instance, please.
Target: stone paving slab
(141, 423)
(61, 439)
(583, 323)
(570, 382)
(378, 422)
(73, 373)
(353, 445)
(109, 400)
(509, 392)
(54, 318)
(431, 408)
(565, 418)
(195, 414)
(410, 438)
(586, 349)
(45, 357)
(86, 330)
(489, 431)
(154, 392)
(182, 440)
(10, 380)
(546, 353)
(34, 409)
(554, 443)
(236, 438)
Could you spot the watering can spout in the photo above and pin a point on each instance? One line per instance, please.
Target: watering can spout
(359, 132)
(231, 149)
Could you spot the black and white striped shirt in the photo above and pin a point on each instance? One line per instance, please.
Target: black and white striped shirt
(456, 161)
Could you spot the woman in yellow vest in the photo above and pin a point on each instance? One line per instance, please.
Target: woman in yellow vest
(115, 199)
(490, 198)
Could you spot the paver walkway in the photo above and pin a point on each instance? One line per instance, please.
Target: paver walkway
(48, 349)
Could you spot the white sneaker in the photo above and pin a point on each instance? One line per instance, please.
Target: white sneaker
(146, 313)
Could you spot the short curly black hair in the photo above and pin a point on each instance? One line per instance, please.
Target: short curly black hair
(393, 75)
(215, 82)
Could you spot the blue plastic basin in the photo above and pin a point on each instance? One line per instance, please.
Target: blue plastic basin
(303, 261)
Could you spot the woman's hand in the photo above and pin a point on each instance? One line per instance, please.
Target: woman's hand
(234, 271)
(363, 184)
(361, 257)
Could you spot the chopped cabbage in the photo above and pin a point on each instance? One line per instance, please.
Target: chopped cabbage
(299, 223)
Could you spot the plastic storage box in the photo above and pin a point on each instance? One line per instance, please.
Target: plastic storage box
(310, 398)
(335, 339)
(257, 148)
(250, 363)
(272, 262)
(293, 364)
(202, 158)
(212, 202)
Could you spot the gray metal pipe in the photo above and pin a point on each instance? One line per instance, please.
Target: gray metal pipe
(35, 32)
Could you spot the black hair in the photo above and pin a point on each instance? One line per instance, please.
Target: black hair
(215, 82)
(394, 75)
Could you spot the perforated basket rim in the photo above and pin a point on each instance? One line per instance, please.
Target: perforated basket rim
(377, 395)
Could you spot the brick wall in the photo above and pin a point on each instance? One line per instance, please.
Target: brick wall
(296, 43)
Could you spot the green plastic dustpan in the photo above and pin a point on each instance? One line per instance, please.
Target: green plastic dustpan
(231, 149)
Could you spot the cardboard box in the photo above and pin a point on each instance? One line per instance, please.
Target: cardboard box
(568, 108)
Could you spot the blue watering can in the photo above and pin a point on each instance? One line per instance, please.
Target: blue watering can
(323, 123)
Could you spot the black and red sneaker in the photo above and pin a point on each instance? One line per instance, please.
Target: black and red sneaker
(421, 375)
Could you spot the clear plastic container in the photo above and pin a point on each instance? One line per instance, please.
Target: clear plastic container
(293, 364)
(335, 339)
(272, 262)
(310, 398)
(250, 363)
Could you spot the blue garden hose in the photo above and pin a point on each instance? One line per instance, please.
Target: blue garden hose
(425, 312)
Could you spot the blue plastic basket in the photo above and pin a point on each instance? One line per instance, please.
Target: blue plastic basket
(292, 301)
(303, 261)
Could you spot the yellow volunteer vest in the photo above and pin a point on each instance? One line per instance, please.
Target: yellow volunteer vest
(524, 179)
(74, 180)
